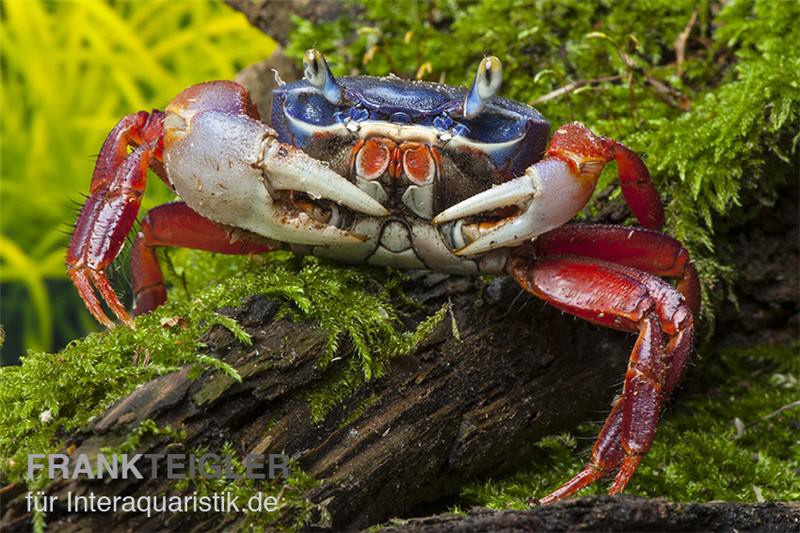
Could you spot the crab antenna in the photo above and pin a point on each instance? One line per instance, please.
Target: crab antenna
(486, 84)
(316, 71)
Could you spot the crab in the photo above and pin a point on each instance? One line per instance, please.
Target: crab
(413, 175)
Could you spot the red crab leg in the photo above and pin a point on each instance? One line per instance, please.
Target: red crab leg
(118, 183)
(576, 145)
(176, 224)
(631, 300)
(640, 248)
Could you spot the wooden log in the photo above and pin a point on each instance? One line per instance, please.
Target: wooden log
(620, 513)
(452, 410)
(274, 17)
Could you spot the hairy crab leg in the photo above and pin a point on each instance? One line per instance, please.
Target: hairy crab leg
(630, 300)
(175, 224)
(640, 248)
(118, 183)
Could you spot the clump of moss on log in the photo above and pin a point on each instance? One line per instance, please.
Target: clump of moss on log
(732, 437)
(704, 90)
(296, 510)
(49, 395)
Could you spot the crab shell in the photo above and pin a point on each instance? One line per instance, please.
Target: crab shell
(399, 143)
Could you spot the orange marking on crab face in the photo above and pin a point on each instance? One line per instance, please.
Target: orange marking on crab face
(396, 165)
(373, 158)
(418, 163)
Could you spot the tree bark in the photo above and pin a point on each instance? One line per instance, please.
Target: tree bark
(274, 17)
(620, 513)
(453, 410)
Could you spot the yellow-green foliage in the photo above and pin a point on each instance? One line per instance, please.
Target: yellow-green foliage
(70, 71)
(718, 130)
(49, 395)
(699, 455)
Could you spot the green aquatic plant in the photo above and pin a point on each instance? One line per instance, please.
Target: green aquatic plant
(70, 71)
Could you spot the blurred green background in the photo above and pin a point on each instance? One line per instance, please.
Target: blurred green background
(70, 70)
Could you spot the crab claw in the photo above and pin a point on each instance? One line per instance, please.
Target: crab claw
(230, 167)
(551, 192)
(288, 168)
(545, 197)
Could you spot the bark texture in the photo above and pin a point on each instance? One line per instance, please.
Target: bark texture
(274, 17)
(622, 513)
(453, 410)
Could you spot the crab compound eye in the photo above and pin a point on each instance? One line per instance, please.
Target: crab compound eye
(319, 76)
(486, 84)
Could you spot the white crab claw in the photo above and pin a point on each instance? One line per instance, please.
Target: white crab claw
(516, 191)
(226, 167)
(548, 195)
(288, 168)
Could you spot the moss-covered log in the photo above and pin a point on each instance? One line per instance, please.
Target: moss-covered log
(626, 513)
(452, 410)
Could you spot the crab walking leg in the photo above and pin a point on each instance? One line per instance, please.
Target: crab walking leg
(584, 152)
(630, 300)
(177, 225)
(118, 183)
(639, 248)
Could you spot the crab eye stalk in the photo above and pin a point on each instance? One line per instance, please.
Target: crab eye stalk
(316, 71)
(486, 84)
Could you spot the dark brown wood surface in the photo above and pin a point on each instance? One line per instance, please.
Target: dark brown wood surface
(621, 513)
(453, 410)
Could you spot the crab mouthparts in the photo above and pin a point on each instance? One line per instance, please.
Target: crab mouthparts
(304, 209)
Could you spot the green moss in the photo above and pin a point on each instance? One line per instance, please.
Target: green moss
(699, 455)
(346, 381)
(718, 130)
(295, 510)
(146, 429)
(49, 395)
